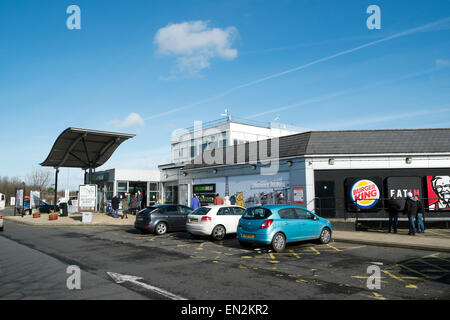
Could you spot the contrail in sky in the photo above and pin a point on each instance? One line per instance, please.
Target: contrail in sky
(341, 93)
(304, 66)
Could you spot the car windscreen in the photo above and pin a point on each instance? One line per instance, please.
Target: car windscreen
(256, 213)
(200, 211)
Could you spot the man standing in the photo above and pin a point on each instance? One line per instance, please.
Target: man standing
(195, 203)
(140, 198)
(125, 206)
(420, 216)
(115, 206)
(411, 210)
(218, 200)
(393, 208)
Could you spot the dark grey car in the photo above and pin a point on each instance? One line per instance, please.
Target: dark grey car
(162, 218)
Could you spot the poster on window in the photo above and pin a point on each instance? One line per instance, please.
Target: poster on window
(255, 190)
(438, 188)
(299, 195)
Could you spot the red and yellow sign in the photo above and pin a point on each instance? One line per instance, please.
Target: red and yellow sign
(365, 193)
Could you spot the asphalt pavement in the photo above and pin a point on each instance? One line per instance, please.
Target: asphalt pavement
(34, 261)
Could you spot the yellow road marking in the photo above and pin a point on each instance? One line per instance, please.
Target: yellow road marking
(411, 286)
(338, 250)
(294, 254)
(434, 266)
(314, 250)
(415, 271)
(272, 255)
(393, 276)
(436, 255)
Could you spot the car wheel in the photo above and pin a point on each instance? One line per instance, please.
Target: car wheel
(278, 242)
(219, 233)
(325, 236)
(161, 228)
(245, 244)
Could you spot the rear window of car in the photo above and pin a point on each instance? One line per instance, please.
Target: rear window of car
(200, 211)
(256, 213)
(146, 210)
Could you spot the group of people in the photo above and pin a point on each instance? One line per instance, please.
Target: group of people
(195, 202)
(130, 204)
(413, 208)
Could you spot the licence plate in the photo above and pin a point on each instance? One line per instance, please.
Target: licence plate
(248, 236)
(194, 220)
(140, 219)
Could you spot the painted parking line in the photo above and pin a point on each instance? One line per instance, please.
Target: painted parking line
(412, 270)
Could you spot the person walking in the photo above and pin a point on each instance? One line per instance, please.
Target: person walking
(140, 197)
(195, 203)
(218, 200)
(133, 205)
(115, 206)
(420, 216)
(411, 210)
(125, 206)
(394, 207)
(227, 201)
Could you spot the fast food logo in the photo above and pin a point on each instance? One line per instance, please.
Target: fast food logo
(365, 193)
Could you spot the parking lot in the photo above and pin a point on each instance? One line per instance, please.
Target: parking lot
(202, 269)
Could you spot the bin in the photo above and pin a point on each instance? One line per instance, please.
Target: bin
(63, 209)
(87, 217)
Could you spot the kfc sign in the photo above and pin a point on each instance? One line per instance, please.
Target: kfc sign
(365, 193)
(438, 188)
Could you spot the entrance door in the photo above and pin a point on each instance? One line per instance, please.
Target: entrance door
(184, 194)
(326, 204)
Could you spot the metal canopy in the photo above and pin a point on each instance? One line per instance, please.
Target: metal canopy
(82, 148)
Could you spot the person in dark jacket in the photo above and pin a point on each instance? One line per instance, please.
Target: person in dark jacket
(394, 207)
(115, 206)
(411, 211)
(420, 215)
(134, 204)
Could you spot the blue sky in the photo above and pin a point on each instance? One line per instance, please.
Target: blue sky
(335, 72)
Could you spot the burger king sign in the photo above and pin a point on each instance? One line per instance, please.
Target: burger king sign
(365, 193)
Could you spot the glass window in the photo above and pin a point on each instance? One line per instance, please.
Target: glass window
(303, 214)
(185, 210)
(171, 209)
(201, 211)
(238, 211)
(287, 213)
(225, 212)
(256, 213)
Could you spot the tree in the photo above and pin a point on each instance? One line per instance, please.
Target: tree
(39, 180)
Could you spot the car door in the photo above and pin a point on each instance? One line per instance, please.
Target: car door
(310, 227)
(174, 218)
(226, 218)
(184, 211)
(290, 224)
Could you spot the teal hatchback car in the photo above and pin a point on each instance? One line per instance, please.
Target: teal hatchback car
(277, 225)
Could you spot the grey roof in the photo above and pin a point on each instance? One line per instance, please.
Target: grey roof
(82, 148)
(401, 141)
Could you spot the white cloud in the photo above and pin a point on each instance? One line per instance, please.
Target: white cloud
(132, 120)
(442, 63)
(195, 44)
